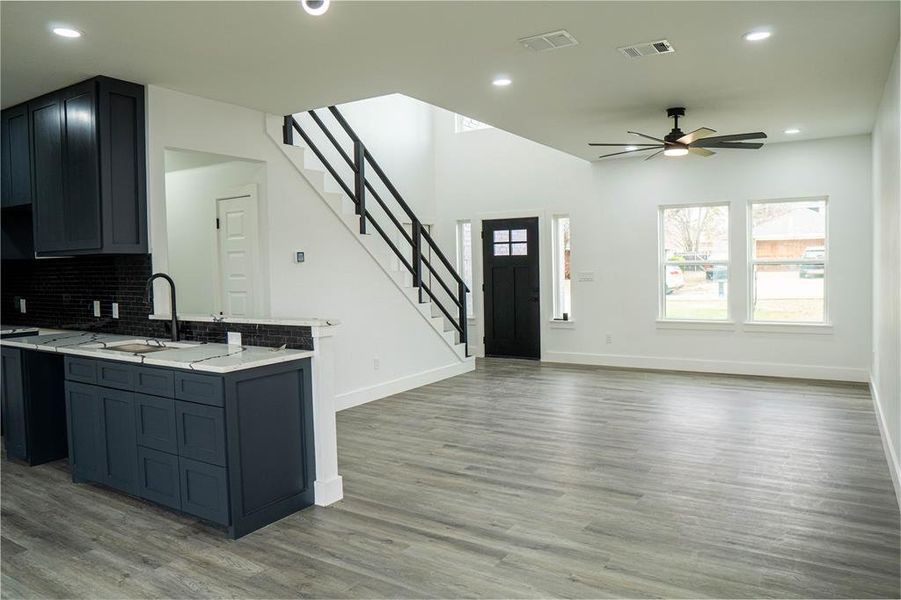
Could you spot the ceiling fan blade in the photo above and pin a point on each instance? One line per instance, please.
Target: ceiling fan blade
(701, 151)
(658, 153)
(697, 134)
(625, 144)
(629, 151)
(735, 137)
(735, 145)
(646, 136)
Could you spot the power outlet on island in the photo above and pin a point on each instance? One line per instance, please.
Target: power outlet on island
(233, 338)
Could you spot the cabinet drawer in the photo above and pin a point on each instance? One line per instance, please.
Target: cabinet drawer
(155, 422)
(159, 478)
(205, 389)
(156, 382)
(201, 432)
(120, 376)
(83, 370)
(204, 490)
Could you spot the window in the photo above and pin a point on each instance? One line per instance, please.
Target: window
(464, 123)
(511, 242)
(788, 261)
(562, 269)
(464, 259)
(694, 262)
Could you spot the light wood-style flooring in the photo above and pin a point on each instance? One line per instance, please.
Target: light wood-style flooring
(518, 480)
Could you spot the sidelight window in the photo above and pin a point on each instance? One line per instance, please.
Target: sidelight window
(464, 259)
(562, 269)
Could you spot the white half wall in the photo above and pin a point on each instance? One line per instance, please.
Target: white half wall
(382, 338)
(886, 382)
(613, 209)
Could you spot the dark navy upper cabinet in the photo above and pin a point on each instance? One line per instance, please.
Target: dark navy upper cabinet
(77, 157)
(15, 154)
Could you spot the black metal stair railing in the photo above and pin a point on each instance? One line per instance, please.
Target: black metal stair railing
(418, 239)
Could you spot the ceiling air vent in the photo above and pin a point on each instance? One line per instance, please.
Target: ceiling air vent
(647, 49)
(553, 40)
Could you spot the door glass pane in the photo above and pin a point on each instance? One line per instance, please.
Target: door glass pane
(520, 249)
(502, 249)
(789, 293)
(789, 230)
(696, 294)
(502, 236)
(518, 235)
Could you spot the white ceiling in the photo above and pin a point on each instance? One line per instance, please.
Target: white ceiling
(823, 70)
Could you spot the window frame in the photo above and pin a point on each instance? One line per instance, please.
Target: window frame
(753, 261)
(662, 261)
(470, 299)
(557, 256)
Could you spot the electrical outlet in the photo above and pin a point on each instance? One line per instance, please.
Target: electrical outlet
(115, 310)
(21, 305)
(609, 338)
(96, 308)
(233, 338)
(376, 364)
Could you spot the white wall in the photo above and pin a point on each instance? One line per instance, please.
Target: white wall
(339, 279)
(886, 382)
(613, 207)
(190, 214)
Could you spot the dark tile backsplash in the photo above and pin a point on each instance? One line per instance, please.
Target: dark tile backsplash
(59, 291)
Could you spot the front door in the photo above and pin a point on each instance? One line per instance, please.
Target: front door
(512, 307)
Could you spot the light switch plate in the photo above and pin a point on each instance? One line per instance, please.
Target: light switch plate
(298, 256)
(233, 338)
(115, 310)
(96, 308)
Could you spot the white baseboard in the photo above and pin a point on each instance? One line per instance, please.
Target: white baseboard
(402, 384)
(894, 464)
(328, 491)
(709, 366)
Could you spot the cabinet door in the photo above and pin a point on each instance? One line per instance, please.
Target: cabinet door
(85, 432)
(201, 432)
(155, 420)
(15, 153)
(204, 490)
(159, 477)
(13, 390)
(119, 451)
(45, 117)
(81, 167)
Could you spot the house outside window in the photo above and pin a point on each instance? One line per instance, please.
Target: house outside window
(464, 124)
(789, 261)
(694, 262)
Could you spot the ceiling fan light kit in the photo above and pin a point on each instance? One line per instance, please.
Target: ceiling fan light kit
(677, 143)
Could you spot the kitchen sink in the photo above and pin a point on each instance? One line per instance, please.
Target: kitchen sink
(138, 348)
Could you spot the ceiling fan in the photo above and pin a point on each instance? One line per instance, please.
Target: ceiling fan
(677, 143)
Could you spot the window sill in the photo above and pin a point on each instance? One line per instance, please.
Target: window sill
(561, 324)
(773, 327)
(696, 325)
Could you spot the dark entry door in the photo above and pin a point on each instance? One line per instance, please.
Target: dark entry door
(512, 307)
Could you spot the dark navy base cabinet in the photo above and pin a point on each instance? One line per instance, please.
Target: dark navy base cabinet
(233, 449)
(33, 408)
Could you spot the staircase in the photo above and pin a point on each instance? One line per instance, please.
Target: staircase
(359, 192)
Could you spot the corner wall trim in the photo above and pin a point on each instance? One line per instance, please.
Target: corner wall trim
(700, 365)
(328, 491)
(894, 463)
(402, 384)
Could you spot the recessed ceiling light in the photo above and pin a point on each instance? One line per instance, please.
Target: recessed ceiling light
(67, 32)
(315, 7)
(756, 36)
(630, 148)
(792, 130)
(502, 81)
(675, 152)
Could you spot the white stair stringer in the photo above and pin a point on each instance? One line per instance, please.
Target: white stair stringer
(344, 207)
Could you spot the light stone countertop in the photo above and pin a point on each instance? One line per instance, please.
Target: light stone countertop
(193, 356)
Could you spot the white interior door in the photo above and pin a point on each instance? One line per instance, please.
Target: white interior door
(238, 253)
